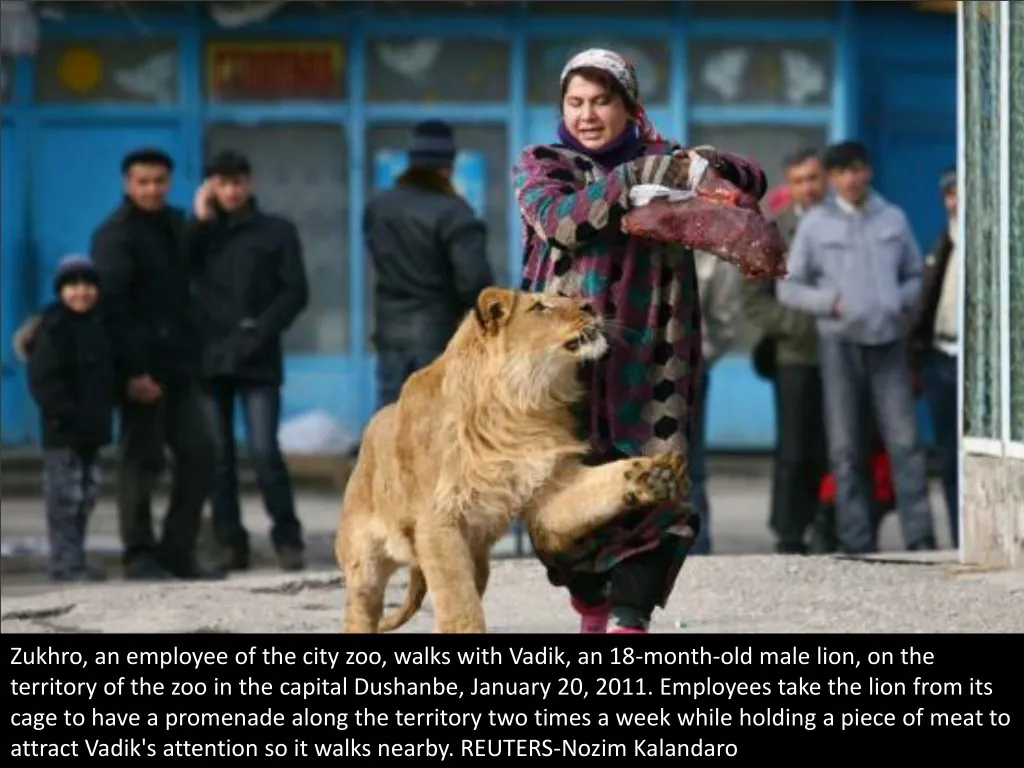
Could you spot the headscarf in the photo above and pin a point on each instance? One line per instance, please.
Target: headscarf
(624, 73)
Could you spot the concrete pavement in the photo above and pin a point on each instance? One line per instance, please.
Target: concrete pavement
(722, 594)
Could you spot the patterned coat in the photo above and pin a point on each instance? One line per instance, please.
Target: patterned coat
(643, 391)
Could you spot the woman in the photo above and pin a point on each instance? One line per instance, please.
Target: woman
(572, 197)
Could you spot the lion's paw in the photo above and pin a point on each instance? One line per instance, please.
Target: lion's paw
(654, 480)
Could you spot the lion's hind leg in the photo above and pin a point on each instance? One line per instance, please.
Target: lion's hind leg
(590, 497)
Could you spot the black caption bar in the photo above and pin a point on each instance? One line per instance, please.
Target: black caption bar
(456, 700)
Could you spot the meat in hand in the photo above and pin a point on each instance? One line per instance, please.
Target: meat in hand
(719, 219)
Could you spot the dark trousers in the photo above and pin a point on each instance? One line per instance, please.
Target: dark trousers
(800, 455)
(634, 587)
(70, 482)
(939, 380)
(177, 421)
(699, 470)
(395, 364)
(261, 411)
(849, 373)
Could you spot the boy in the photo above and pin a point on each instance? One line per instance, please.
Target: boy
(71, 378)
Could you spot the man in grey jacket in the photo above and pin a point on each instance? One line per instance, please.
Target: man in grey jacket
(429, 254)
(854, 264)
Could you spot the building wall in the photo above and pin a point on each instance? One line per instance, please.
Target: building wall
(991, 159)
(762, 78)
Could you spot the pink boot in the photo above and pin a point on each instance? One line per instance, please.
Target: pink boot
(593, 618)
(627, 631)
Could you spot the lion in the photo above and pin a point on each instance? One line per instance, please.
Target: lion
(483, 435)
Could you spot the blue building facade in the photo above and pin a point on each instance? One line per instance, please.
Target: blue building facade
(321, 97)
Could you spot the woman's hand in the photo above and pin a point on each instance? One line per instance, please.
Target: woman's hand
(743, 172)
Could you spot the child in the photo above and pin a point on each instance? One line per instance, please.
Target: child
(71, 377)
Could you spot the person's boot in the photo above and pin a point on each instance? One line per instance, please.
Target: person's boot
(593, 618)
(146, 569)
(233, 559)
(290, 559)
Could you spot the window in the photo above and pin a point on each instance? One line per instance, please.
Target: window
(254, 71)
(981, 337)
(769, 145)
(546, 58)
(140, 72)
(300, 171)
(429, 69)
(743, 72)
(481, 175)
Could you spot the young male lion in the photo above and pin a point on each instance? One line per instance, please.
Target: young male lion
(483, 434)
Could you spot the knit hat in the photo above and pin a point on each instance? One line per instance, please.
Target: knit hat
(432, 145)
(75, 266)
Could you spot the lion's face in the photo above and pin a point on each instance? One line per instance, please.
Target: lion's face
(542, 325)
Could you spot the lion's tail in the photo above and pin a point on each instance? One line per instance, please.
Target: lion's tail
(413, 600)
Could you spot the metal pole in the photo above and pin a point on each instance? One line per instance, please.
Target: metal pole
(961, 230)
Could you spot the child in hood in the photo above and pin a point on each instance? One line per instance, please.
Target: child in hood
(71, 378)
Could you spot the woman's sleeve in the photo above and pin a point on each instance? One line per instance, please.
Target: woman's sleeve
(565, 214)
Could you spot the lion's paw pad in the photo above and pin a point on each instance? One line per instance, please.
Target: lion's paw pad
(656, 480)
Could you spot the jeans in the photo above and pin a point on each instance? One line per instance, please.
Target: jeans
(261, 411)
(849, 371)
(800, 455)
(939, 380)
(71, 482)
(396, 364)
(175, 420)
(699, 469)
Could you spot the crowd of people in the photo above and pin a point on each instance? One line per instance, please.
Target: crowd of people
(170, 321)
(858, 325)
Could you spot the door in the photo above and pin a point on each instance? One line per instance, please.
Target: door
(78, 182)
(13, 424)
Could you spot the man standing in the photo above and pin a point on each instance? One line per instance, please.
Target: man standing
(252, 286)
(790, 338)
(855, 265)
(719, 290)
(935, 345)
(430, 257)
(141, 253)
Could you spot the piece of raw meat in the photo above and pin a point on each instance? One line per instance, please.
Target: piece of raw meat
(716, 217)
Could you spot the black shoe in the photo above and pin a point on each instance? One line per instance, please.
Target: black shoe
(928, 545)
(88, 574)
(196, 572)
(232, 559)
(146, 570)
(790, 548)
(290, 559)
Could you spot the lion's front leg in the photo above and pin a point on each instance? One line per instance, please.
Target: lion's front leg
(452, 576)
(593, 496)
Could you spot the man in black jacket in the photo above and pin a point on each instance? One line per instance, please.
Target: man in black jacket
(141, 252)
(935, 345)
(252, 286)
(430, 257)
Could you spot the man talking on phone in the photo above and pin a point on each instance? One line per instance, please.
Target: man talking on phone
(252, 285)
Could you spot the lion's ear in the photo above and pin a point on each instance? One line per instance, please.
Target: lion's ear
(494, 307)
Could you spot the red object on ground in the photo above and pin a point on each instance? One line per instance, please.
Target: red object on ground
(721, 219)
